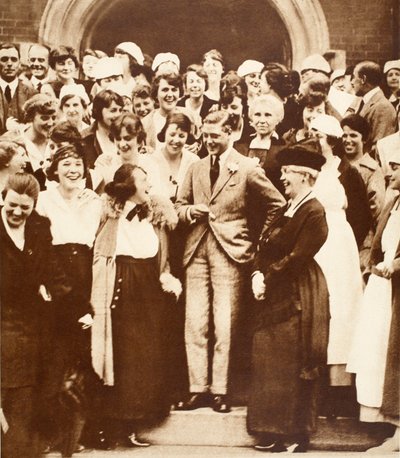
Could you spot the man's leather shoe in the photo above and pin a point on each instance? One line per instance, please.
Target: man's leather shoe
(196, 401)
(220, 404)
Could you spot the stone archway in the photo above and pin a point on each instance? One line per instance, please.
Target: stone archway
(69, 21)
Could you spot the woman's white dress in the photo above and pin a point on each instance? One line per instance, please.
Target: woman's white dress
(339, 261)
(369, 349)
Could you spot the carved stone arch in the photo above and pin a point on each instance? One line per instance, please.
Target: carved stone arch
(71, 22)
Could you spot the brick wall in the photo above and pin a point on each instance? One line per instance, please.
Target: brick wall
(20, 19)
(363, 28)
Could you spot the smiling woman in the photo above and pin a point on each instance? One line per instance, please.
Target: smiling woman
(41, 114)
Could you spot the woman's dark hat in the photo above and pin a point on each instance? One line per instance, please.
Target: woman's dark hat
(306, 153)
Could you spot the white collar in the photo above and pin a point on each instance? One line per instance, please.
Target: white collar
(298, 201)
(13, 85)
(36, 81)
(223, 157)
(368, 96)
(16, 235)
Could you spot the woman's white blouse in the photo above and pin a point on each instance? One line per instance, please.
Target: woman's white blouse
(74, 221)
(135, 238)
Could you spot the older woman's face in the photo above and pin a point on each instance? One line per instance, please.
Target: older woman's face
(42, 124)
(310, 113)
(393, 78)
(292, 181)
(264, 118)
(213, 68)
(17, 207)
(167, 95)
(127, 145)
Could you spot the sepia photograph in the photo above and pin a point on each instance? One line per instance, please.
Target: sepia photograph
(200, 228)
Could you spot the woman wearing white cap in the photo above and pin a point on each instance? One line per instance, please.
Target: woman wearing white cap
(391, 71)
(375, 354)
(339, 260)
(166, 63)
(250, 70)
(132, 60)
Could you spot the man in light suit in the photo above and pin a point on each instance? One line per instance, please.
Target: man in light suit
(375, 107)
(214, 200)
(13, 92)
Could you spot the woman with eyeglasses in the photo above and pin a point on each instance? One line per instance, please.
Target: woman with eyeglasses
(290, 341)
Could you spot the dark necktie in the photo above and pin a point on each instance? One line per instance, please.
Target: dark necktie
(139, 210)
(214, 170)
(39, 86)
(7, 93)
(361, 106)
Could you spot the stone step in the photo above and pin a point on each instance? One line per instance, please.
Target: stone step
(203, 427)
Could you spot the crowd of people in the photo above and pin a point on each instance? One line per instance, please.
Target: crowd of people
(150, 213)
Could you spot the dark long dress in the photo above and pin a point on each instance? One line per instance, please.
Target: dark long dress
(139, 317)
(289, 345)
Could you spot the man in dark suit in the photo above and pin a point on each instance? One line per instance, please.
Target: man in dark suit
(214, 201)
(38, 58)
(13, 92)
(374, 107)
(29, 278)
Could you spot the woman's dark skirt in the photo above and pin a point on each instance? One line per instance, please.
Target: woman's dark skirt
(139, 326)
(283, 400)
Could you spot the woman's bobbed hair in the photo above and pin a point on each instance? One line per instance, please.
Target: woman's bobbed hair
(182, 121)
(133, 126)
(123, 185)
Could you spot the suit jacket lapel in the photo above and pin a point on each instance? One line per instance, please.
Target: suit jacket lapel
(205, 177)
(224, 175)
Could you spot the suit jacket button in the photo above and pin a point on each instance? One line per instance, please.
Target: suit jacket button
(113, 306)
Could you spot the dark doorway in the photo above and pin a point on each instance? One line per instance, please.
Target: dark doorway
(240, 29)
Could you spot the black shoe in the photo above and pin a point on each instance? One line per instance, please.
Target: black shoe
(100, 441)
(273, 447)
(220, 404)
(133, 441)
(196, 401)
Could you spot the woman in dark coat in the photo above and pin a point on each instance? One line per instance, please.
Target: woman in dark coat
(289, 346)
(29, 279)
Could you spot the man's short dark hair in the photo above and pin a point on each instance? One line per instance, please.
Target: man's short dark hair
(371, 71)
